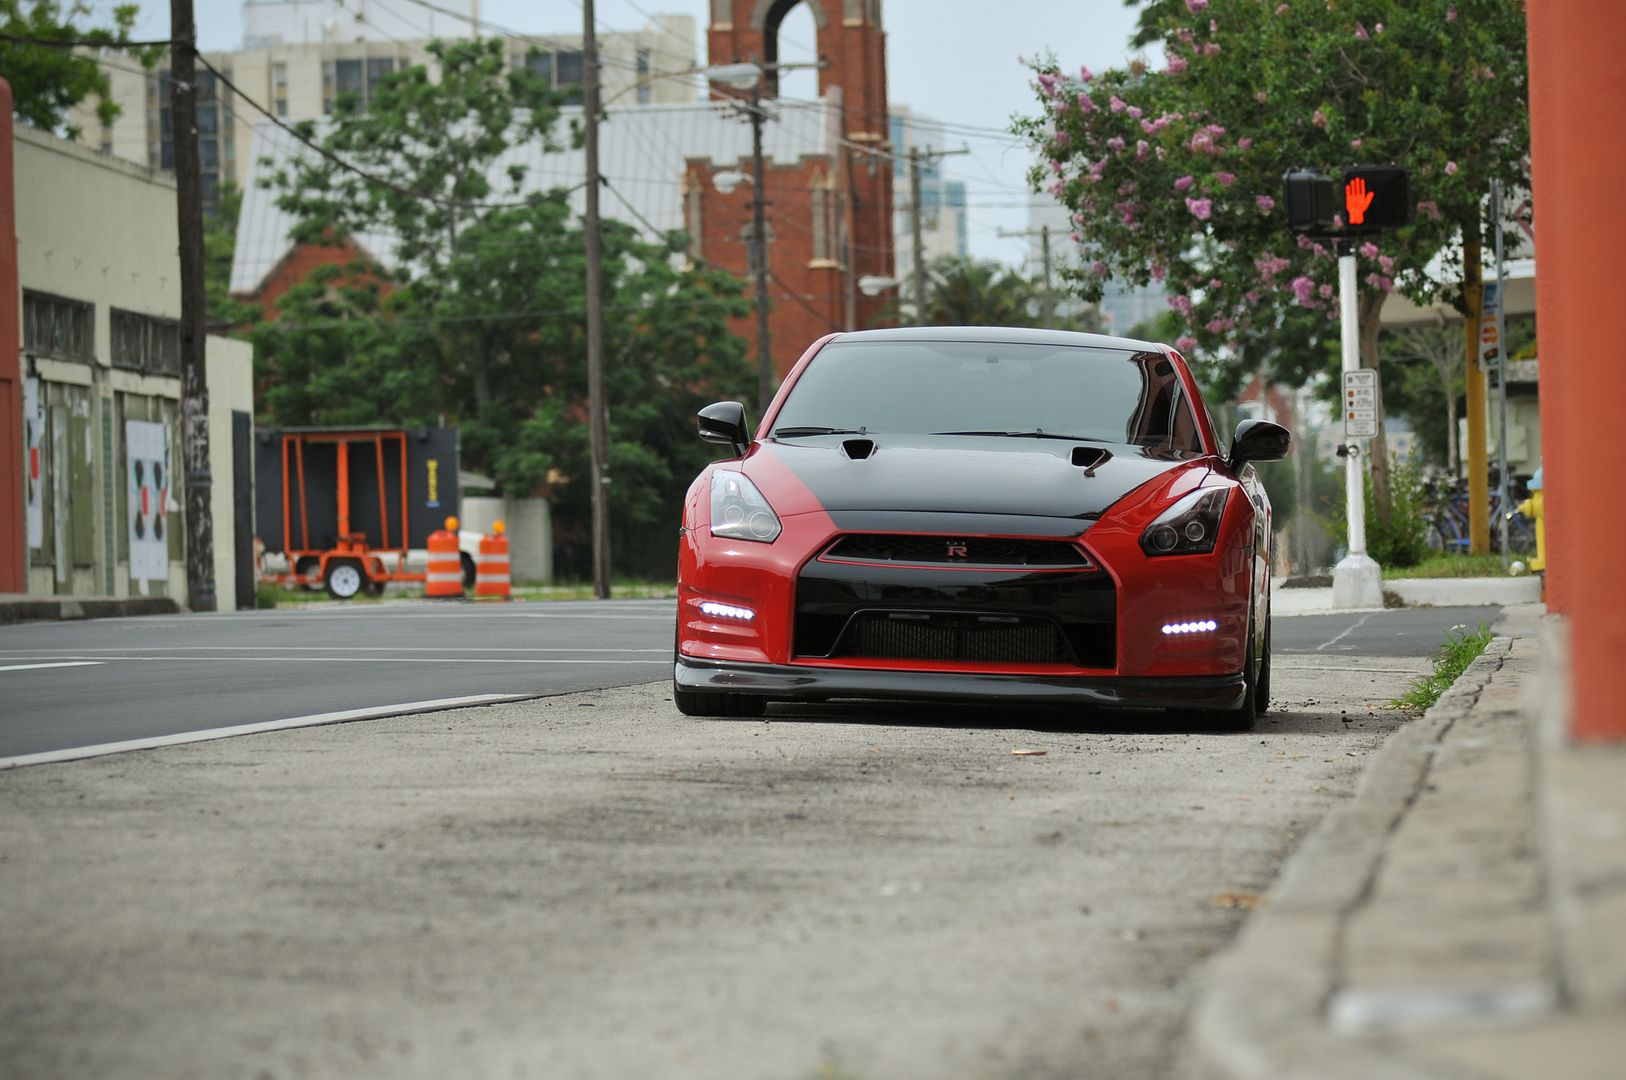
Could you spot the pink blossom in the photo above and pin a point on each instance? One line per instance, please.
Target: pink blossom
(1319, 119)
(1244, 143)
(1177, 64)
(1211, 48)
(1201, 209)
(1281, 9)
(1431, 208)
(1098, 268)
(1115, 144)
(1062, 138)
(1450, 13)
(1261, 96)
(1316, 249)
(1217, 326)
(1085, 75)
(1047, 82)
(1086, 103)
(1450, 168)
(1117, 104)
(1184, 183)
(1387, 263)
(1305, 242)
(1055, 166)
(1182, 304)
(1078, 238)
(1159, 271)
(1265, 202)
(1251, 297)
(1378, 281)
(1225, 179)
(1326, 292)
(1304, 291)
(1270, 265)
(1185, 343)
(1128, 188)
(1195, 6)
(1213, 26)
(1056, 189)
(1377, 28)
(1134, 112)
(1354, 144)
(1369, 250)
(1142, 148)
(1214, 283)
(1360, 32)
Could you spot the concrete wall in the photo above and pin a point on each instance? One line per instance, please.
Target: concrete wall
(530, 533)
(99, 232)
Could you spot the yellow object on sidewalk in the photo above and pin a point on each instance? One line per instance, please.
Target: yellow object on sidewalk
(1531, 508)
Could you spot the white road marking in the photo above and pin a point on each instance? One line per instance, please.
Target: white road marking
(94, 658)
(311, 648)
(1348, 631)
(210, 734)
(65, 663)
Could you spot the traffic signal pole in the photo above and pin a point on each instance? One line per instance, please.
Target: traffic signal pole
(1357, 580)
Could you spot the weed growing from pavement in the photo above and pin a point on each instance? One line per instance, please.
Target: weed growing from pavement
(1459, 651)
(1450, 566)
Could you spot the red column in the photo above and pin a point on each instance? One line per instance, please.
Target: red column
(13, 540)
(1579, 164)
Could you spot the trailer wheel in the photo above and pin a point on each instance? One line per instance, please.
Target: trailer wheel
(305, 566)
(344, 579)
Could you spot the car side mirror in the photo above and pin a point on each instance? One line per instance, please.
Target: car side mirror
(1259, 440)
(724, 422)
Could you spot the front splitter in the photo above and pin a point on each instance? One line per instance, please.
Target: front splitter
(785, 682)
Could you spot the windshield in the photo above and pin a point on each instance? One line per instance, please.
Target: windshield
(924, 387)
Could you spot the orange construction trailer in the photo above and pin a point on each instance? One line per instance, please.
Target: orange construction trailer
(345, 506)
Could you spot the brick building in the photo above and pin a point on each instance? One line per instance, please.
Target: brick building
(826, 178)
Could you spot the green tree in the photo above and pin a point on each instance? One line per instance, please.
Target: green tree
(982, 292)
(482, 319)
(47, 81)
(1173, 174)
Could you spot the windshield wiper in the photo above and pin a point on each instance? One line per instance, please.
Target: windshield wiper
(794, 432)
(1036, 433)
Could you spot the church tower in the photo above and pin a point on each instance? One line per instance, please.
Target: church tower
(830, 218)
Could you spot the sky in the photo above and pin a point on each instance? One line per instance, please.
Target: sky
(955, 61)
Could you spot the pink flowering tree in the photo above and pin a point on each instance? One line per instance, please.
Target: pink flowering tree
(1173, 171)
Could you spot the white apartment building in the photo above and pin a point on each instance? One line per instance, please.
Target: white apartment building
(301, 56)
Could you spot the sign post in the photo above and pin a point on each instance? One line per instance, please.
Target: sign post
(1372, 198)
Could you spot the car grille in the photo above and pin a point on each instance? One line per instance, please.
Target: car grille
(979, 551)
(901, 635)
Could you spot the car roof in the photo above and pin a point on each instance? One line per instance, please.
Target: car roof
(1023, 335)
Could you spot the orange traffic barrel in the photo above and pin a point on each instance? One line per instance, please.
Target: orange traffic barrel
(445, 577)
(491, 569)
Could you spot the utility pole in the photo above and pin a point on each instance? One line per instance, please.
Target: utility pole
(919, 248)
(759, 252)
(1357, 580)
(1474, 379)
(597, 423)
(1500, 361)
(199, 517)
(1047, 302)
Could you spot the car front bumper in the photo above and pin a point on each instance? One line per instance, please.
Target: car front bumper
(785, 682)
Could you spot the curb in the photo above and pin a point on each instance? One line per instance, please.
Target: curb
(1262, 1004)
(60, 609)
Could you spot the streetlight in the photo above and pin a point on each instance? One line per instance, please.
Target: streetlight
(743, 77)
(874, 285)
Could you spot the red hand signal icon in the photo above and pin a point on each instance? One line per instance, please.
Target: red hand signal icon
(1356, 200)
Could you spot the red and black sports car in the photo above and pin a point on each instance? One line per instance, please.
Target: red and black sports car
(979, 513)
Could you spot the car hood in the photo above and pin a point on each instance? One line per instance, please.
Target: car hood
(938, 474)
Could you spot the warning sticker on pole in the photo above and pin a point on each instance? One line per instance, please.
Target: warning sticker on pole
(1360, 404)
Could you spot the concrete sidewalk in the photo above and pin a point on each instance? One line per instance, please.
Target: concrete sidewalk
(18, 608)
(1463, 917)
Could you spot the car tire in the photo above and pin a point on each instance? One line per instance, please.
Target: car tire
(1261, 691)
(344, 579)
(1241, 718)
(701, 703)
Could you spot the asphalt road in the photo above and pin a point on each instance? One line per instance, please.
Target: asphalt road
(79, 684)
(154, 676)
(592, 886)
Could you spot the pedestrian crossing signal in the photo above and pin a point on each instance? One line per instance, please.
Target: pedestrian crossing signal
(1375, 197)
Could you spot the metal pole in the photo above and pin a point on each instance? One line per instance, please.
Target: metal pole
(199, 517)
(759, 252)
(1501, 372)
(919, 240)
(598, 425)
(1357, 580)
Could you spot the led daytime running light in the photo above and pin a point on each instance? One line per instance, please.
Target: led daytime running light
(1199, 626)
(726, 611)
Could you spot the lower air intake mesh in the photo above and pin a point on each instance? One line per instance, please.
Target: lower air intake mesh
(986, 639)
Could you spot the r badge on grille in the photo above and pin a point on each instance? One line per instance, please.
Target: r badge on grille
(957, 549)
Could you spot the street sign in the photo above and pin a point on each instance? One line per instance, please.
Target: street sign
(1490, 328)
(1360, 404)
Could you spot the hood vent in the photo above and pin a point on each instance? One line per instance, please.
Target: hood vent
(858, 449)
(1089, 458)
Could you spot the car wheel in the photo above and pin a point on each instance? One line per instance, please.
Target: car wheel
(1243, 716)
(1261, 691)
(344, 579)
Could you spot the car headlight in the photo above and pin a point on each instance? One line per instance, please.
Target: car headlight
(1189, 527)
(738, 510)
